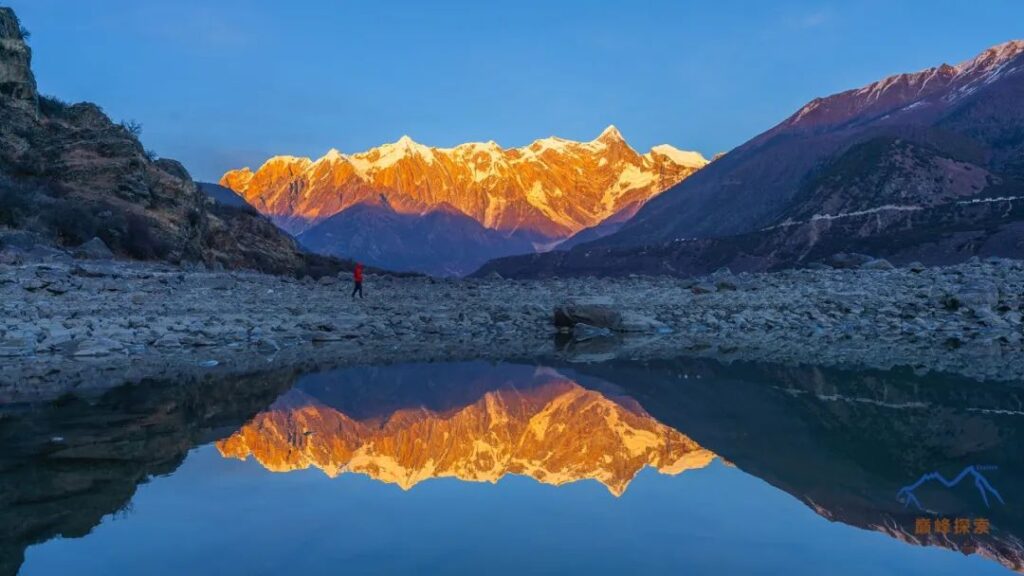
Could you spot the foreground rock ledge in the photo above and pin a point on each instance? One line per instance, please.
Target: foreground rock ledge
(99, 317)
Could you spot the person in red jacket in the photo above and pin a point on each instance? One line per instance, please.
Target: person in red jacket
(357, 277)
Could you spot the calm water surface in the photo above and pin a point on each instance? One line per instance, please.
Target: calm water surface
(688, 466)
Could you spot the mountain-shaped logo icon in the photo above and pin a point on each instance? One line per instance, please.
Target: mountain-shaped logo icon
(907, 496)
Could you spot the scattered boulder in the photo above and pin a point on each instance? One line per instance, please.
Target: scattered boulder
(703, 288)
(634, 322)
(978, 296)
(97, 347)
(916, 267)
(878, 264)
(267, 346)
(94, 249)
(593, 314)
(168, 341)
(724, 285)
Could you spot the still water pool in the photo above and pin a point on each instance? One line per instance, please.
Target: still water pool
(688, 466)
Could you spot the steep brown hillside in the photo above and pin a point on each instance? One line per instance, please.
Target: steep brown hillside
(68, 173)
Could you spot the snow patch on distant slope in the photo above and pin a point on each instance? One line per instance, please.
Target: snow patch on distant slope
(681, 157)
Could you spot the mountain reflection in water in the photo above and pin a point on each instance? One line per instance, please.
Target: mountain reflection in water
(536, 423)
(841, 442)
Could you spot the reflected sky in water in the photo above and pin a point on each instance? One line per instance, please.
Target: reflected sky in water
(508, 469)
(217, 516)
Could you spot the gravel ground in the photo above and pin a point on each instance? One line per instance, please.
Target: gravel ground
(93, 323)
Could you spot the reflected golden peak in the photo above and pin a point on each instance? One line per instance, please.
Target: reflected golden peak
(556, 433)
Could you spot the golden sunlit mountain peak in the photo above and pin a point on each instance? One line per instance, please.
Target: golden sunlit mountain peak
(551, 188)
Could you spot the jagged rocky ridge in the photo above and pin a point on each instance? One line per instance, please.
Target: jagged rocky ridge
(923, 166)
(69, 174)
(408, 206)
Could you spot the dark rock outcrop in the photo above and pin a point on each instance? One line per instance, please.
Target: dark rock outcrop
(17, 82)
(68, 173)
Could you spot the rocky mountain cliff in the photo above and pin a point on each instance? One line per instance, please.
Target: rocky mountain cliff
(923, 166)
(69, 174)
(550, 428)
(534, 196)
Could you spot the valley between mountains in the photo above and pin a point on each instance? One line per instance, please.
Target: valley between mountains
(883, 223)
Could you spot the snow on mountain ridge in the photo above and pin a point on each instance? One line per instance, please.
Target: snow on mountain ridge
(552, 186)
(901, 90)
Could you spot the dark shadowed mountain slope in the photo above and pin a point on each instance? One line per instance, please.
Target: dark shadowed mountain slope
(441, 241)
(966, 111)
(852, 440)
(225, 196)
(854, 171)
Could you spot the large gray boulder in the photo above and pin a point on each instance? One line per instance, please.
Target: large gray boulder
(94, 249)
(594, 314)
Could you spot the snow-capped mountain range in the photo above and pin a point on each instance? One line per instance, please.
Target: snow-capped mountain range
(521, 199)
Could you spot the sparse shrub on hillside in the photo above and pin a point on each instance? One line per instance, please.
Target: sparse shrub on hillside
(132, 127)
(25, 32)
(194, 217)
(53, 107)
(151, 155)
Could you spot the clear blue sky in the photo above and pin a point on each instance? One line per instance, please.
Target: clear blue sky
(219, 84)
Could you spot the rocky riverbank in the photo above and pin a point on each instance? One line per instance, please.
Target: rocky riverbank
(94, 323)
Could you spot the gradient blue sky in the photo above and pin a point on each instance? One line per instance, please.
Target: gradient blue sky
(220, 84)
